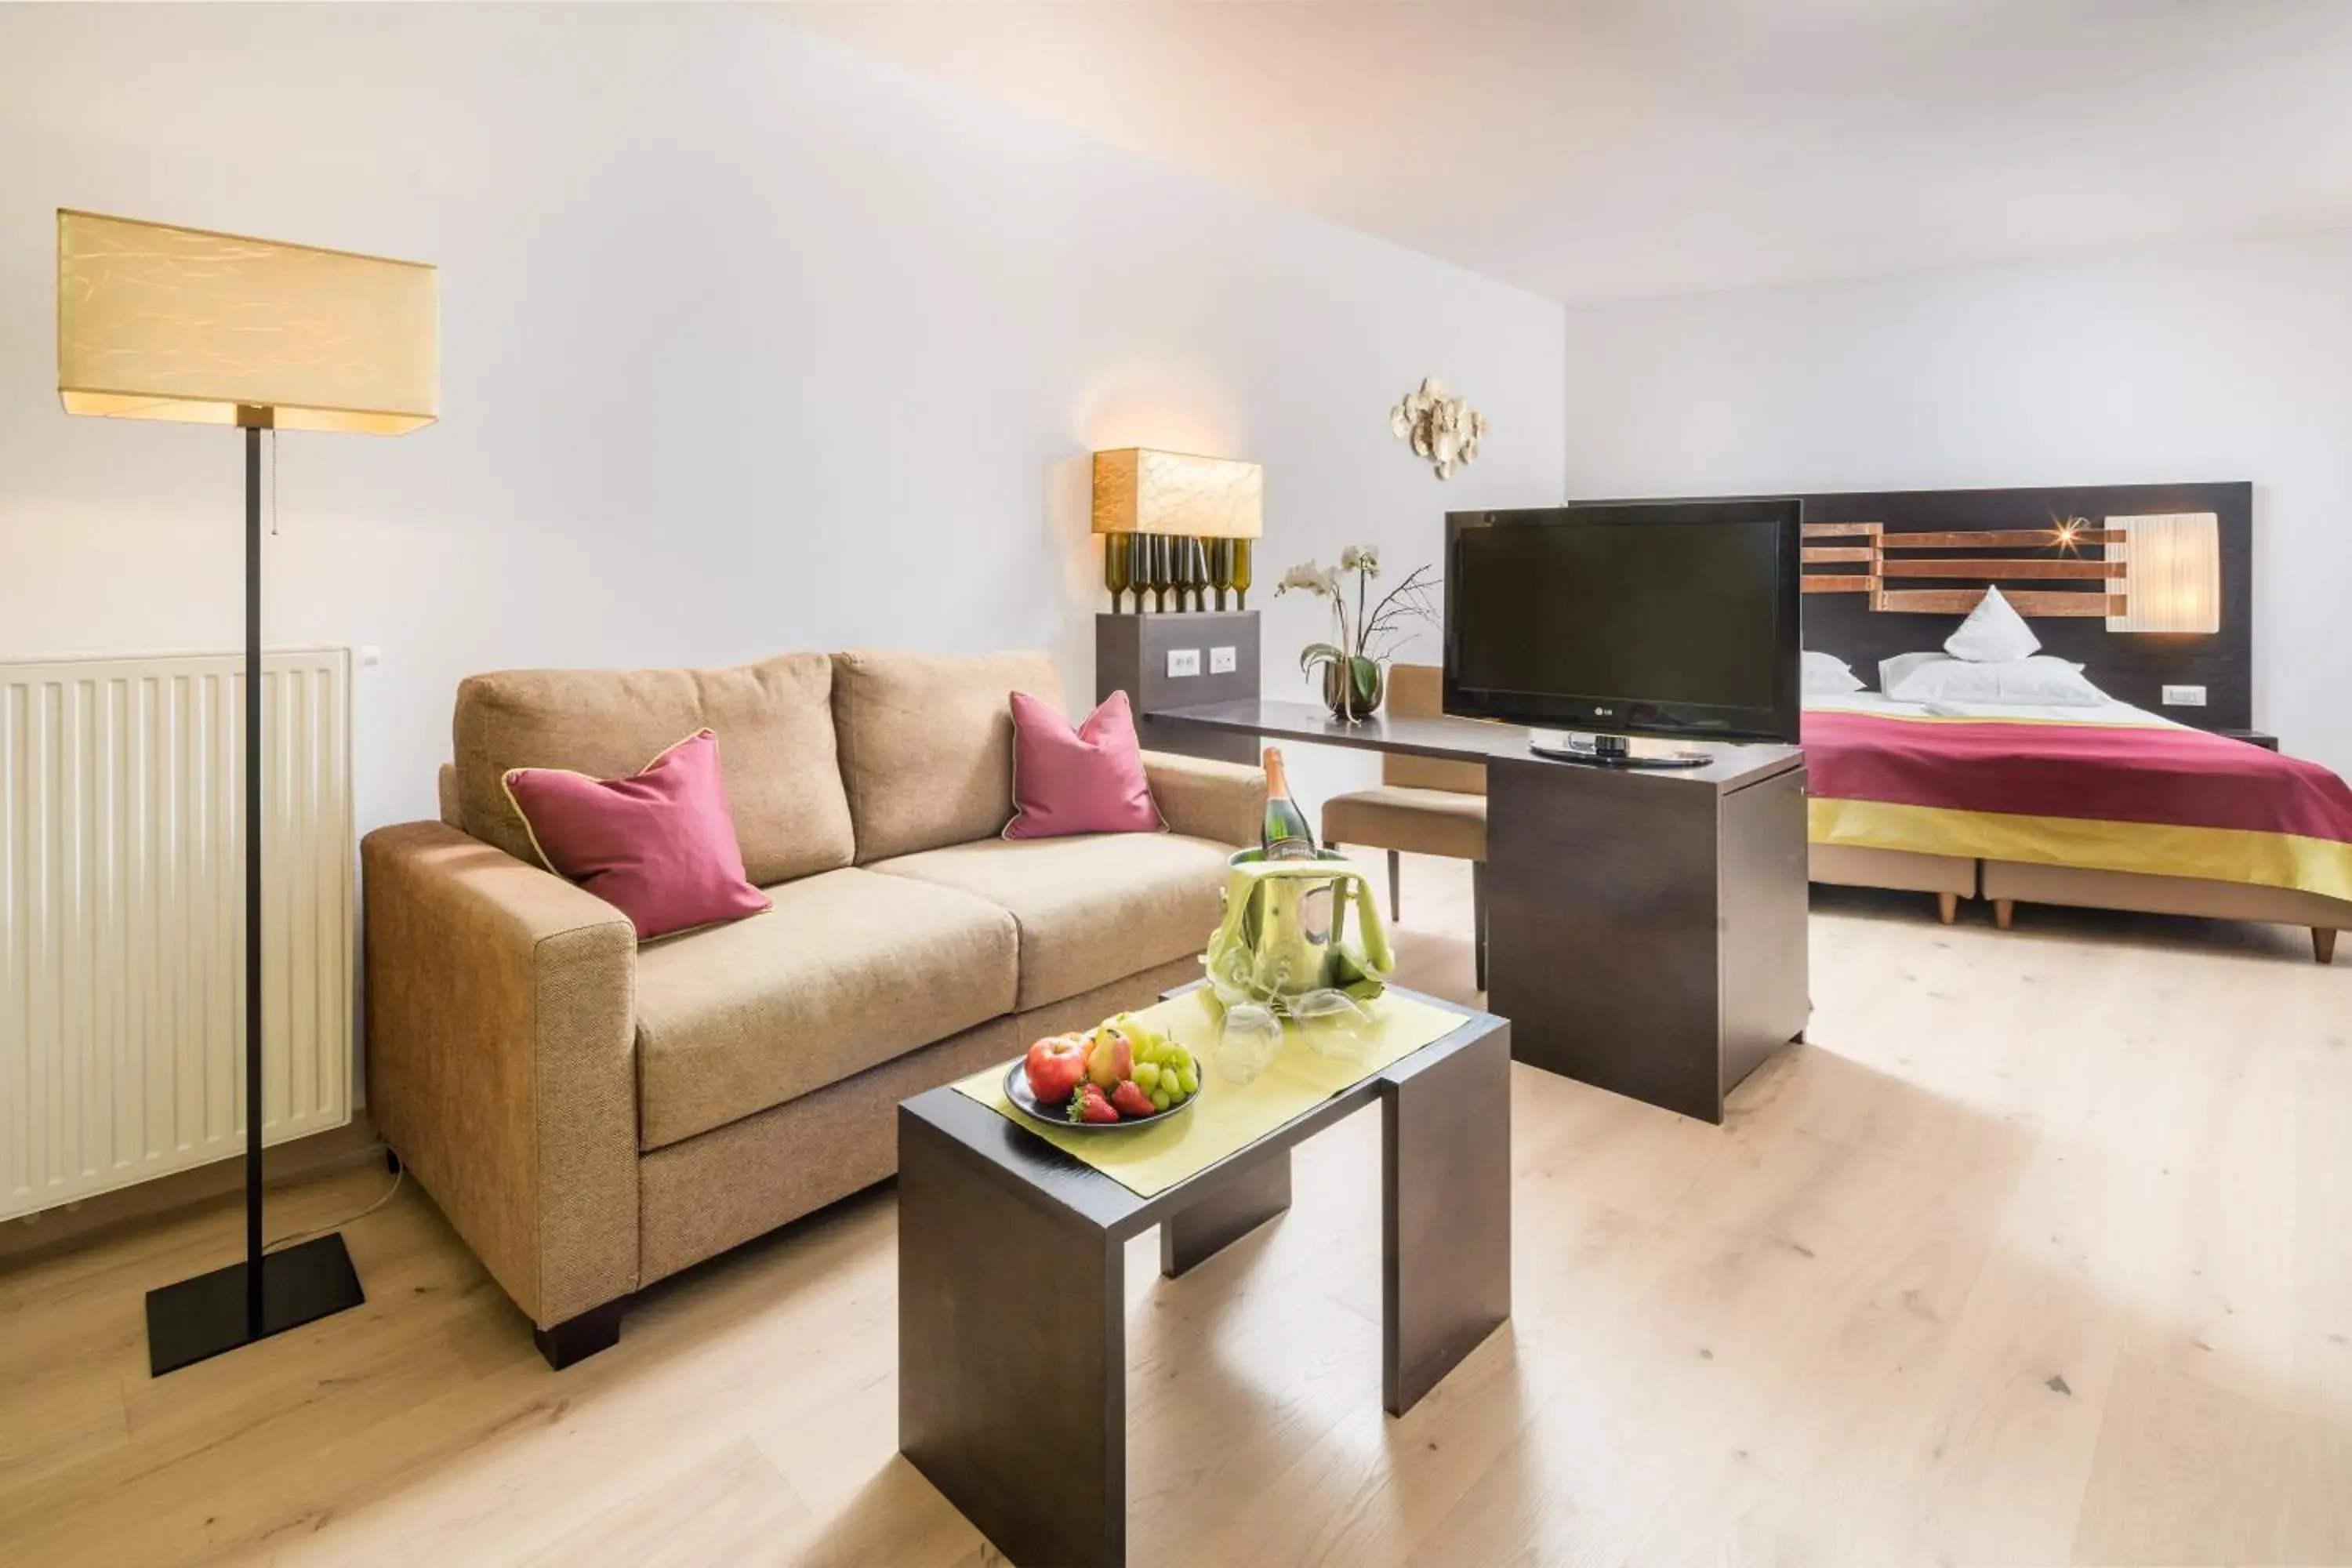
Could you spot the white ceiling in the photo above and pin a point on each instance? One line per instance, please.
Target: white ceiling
(1613, 148)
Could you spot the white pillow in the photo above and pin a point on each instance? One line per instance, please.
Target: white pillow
(2039, 681)
(1994, 633)
(1826, 675)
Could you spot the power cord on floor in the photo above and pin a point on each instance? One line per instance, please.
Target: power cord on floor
(397, 1177)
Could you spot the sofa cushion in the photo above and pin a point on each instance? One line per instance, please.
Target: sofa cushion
(658, 846)
(927, 744)
(850, 969)
(774, 720)
(1087, 779)
(1090, 908)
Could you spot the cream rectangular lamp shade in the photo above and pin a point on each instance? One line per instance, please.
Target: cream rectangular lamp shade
(155, 322)
(2172, 573)
(1178, 525)
(1138, 490)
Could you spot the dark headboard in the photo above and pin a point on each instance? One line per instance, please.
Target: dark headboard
(2133, 667)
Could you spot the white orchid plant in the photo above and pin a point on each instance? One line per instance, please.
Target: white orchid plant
(1366, 635)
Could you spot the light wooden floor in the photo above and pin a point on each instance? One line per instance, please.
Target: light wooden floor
(2041, 1252)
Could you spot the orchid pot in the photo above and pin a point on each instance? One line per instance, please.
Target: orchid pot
(1365, 631)
(1353, 689)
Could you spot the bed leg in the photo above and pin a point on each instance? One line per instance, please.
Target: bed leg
(1948, 907)
(2004, 910)
(2323, 944)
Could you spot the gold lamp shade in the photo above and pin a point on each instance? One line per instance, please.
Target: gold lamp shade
(156, 321)
(2172, 573)
(1139, 490)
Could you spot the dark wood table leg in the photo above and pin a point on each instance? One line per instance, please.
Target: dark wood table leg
(1012, 1358)
(1227, 1212)
(1445, 1234)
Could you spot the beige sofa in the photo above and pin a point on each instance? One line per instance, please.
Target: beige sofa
(593, 1114)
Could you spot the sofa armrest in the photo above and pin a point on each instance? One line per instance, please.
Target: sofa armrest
(1220, 801)
(501, 1059)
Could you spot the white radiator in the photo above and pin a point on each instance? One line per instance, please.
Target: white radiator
(122, 915)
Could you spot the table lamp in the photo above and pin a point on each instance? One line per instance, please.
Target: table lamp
(156, 321)
(1173, 521)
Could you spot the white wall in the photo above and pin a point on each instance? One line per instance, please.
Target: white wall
(749, 342)
(2212, 362)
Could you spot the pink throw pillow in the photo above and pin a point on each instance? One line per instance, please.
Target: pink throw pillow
(1087, 780)
(658, 846)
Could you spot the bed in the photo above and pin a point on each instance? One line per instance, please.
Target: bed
(2112, 806)
(2105, 802)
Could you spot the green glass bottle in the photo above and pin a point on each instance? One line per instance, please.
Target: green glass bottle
(1115, 567)
(1241, 574)
(1163, 570)
(1283, 834)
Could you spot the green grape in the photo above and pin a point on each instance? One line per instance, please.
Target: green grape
(1147, 1075)
(1162, 1100)
(1187, 1080)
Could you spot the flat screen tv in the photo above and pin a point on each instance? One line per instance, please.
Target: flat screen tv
(1639, 618)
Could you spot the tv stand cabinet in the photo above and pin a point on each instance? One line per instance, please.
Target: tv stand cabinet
(1645, 929)
(1649, 937)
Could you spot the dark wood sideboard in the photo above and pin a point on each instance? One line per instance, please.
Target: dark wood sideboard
(1646, 929)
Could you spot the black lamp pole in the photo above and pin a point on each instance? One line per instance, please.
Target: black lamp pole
(268, 1294)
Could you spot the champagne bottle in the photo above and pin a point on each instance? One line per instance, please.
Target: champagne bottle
(1283, 835)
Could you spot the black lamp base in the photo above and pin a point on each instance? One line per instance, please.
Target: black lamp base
(198, 1319)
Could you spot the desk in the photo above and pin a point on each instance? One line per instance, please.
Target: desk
(1645, 927)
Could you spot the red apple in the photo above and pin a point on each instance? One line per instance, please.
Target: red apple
(1109, 1057)
(1055, 1066)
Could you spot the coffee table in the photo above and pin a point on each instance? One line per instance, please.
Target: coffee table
(1012, 1302)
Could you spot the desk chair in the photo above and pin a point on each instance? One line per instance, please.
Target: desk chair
(1421, 804)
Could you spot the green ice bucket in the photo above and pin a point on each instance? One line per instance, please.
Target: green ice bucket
(1285, 933)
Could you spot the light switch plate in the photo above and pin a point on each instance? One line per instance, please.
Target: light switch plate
(1183, 661)
(1223, 661)
(2184, 697)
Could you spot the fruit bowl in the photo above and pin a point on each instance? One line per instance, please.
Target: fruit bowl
(1120, 1073)
(1017, 1090)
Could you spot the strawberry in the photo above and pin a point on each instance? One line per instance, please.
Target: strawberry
(1088, 1104)
(1128, 1099)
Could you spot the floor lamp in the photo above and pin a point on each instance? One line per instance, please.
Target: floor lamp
(155, 322)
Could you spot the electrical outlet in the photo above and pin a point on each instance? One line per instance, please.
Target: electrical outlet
(1224, 661)
(1183, 661)
(2184, 697)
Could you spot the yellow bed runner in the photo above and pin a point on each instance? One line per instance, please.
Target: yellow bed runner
(2166, 849)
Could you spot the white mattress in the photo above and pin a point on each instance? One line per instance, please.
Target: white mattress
(2065, 713)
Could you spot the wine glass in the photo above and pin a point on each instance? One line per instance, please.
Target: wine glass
(1333, 1024)
(1248, 1039)
(1115, 567)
